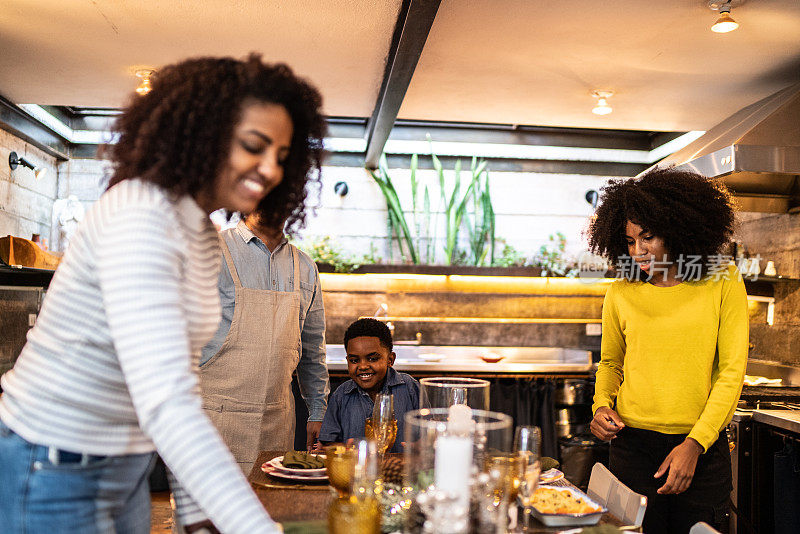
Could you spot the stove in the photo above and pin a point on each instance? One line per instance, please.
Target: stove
(753, 395)
(747, 493)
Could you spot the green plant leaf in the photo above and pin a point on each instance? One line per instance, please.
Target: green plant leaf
(396, 216)
(426, 206)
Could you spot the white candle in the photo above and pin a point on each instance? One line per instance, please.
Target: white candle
(453, 459)
(454, 466)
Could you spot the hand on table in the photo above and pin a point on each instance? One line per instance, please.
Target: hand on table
(312, 433)
(680, 463)
(320, 446)
(606, 424)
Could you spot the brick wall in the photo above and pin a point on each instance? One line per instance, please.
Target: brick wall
(529, 207)
(26, 204)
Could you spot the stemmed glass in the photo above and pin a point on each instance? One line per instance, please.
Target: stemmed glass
(340, 462)
(356, 510)
(382, 426)
(527, 446)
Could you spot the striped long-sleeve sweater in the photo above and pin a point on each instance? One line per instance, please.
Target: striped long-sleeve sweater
(110, 366)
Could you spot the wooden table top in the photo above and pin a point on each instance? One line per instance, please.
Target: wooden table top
(289, 501)
(286, 500)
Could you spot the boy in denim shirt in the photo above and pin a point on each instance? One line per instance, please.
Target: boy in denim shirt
(368, 343)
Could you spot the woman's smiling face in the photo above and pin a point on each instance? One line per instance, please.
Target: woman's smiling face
(644, 248)
(259, 148)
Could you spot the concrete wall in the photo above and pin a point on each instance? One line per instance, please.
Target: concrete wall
(343, 307)
(776, 237)
(26, 204)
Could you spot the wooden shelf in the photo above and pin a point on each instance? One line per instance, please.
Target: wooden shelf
(764, 286)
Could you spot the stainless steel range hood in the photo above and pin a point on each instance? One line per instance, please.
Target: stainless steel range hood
(756, 151)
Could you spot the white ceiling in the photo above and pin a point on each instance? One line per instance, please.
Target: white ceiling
(496, 61)
(536, 62)
(85, 52)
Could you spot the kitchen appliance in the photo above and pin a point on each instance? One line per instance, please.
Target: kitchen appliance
(755, 151)
(573, 420)
(751, 499)
(574, 391)
(20, 307)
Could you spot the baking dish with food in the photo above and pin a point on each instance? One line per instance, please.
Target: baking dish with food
(573, 496)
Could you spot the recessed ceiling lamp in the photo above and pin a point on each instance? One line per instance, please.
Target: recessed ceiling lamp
(602, 107)
(15, 161)
(144, 86)
(725, 22)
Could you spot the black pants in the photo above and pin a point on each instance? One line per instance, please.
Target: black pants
(635, 456)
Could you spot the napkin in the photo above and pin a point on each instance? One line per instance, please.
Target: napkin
(305, 527)
(302, 460)
(549, 463)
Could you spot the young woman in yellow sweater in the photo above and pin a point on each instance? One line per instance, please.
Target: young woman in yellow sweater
(674, 346)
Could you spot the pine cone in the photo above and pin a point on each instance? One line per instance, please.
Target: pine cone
(392, 470)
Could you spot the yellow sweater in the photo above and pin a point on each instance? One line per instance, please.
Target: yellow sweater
(674, 357)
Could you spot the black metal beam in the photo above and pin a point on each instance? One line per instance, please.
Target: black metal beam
(22, 125)
(411, 31)
(523, 135)
(590, 168)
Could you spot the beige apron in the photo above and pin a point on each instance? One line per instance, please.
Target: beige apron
(246, 386)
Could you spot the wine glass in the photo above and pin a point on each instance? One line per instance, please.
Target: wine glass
(508, 469)
(527, 446)
(382, 426)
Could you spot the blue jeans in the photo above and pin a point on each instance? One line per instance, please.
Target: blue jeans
(45, 490)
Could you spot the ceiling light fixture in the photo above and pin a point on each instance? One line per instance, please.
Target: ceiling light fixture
(602, 107)
(145, 86)
(15, 161)
(725, 22)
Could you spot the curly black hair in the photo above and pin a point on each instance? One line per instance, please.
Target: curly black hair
(174, 136)
(371, 328)
(692, 214)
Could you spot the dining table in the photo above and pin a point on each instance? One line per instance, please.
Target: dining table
(302, 507)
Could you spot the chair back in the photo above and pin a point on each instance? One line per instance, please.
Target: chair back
(703, 528)
(621, 501)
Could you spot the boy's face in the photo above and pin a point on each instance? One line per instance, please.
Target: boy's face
(367, 362)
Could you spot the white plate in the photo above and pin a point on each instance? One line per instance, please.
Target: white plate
(431, 357)
(276, 463)
(571, 520)
(272, 471)
(550, 476)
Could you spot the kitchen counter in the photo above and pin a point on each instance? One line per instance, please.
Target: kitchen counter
(785, 419)
(470, 359)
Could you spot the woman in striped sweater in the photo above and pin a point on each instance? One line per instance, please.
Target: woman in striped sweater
(108, 375)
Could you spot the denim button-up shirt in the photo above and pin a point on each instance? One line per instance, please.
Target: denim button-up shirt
(350, 407)
(258, 268)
